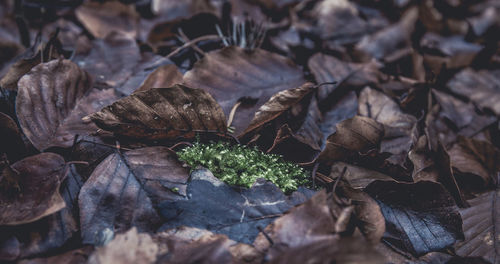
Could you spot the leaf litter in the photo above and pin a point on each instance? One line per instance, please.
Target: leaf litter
(388, 111)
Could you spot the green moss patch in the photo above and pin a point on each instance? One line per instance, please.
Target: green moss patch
(242, 166)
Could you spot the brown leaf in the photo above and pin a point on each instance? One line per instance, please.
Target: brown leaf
(11, 141)
(399, 128)
(368, 217)
(315, 220)
(478, 158)
(192, 245)
(481, 87)
(332, 250)
(100, 19)
(420, 217)
(277, 105)
(48, 233)
(76, 256)
(330, 69)
(170, 10)
(391, 42)
(463, 115)
(434, 165)
(353, 135)
(29, 59)
(111, 60)
(163, 113)
(164, 76)
(124, 190)
(39, 178)
(52, 99)
(357, 177)
(130, 247)
(481, 224)
(232, 75)
(340, 22)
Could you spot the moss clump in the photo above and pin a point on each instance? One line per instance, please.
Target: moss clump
(242, 166)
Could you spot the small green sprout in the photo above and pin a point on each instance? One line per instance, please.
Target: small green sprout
(242, 166)
(175, 190)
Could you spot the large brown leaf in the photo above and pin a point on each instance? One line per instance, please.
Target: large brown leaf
(38, 179)
(232, 74)
(481, 224)
(163, 113)
(124, 190)
(357, 177)
(481, 87)
(352, 136)
(49, 232)
(52, 99)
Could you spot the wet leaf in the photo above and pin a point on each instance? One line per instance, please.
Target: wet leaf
(217, 207)
(48, 233)
(39, 178)
(391, 42)
(345, 108)
(399, 128)
(327, 68)
(232, 75)
(357, 177)
(478, 158)
(110, 60)
(481, 224)
(100, 19)
(420, 217)
(463, 115)
(352, 136)
(434, 165)
(52, 99)
(480, 86)
(163, 113)
(125, 189)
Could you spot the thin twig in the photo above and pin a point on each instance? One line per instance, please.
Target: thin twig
(190, 43)
(231, 114)
(186, 40)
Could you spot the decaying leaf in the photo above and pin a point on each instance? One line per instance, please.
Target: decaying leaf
(52, 99)
(352, 136)
(399, 128)
(330, 69)
(217, 207)
(164, 76)
(76, 256)
(163, 113)
(434, 165)
(233, 75)
(130, 247)
(125, 189)
(100, 19)
(48, 233)
(476, 157)
(481, 224)
(482, 87)
(420, 217)
(38, 178)
(277, 105)
(11, 141)
(110, 60)
(357, 177)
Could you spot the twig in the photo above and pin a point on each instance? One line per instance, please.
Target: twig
(231, 114)
(190, 43)
(186, 40)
